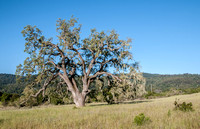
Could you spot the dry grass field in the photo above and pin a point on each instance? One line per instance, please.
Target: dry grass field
(103, 116)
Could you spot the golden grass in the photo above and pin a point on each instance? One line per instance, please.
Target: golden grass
(102, 116)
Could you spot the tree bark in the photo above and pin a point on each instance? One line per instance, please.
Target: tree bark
(79, 99)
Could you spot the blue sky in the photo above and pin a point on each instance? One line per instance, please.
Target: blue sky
(165, 33)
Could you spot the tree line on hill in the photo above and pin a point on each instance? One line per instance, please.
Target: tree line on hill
(159, 85)
(166, 82)
(156, 85)
(157, 82)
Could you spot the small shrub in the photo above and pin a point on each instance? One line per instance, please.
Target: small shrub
(23, 102)
(67, 100)
(169, 113)
(141, 119)
(74, 107)
(151, 95)
(56, 101)
(183, 106)
(7, 98)
(14, 97)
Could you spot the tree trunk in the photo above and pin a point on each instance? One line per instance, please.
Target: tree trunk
(79, 99)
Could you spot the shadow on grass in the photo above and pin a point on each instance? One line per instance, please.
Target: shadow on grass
(135, 102)
(1, 121)
(105, 104)
(97, 104)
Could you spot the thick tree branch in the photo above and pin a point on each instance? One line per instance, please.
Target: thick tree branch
(90, 66)
(71, 87)
(83, 62)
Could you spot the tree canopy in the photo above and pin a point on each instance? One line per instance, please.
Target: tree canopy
(100, 54)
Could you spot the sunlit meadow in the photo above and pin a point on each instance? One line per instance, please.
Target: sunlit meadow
(103, 116)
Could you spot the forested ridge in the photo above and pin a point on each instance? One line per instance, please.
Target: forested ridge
(176, 81)
(157, 81)
(8, 84)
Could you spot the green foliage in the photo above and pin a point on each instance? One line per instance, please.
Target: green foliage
(72, 57)
(7, 79)
(56, 99)
(75, 107)
(151, 95)
(169, 113)
(108, 97)
(141, 119)
(131, 87)
(8, 84)
(183, 106)
(7, 98)
(58, 96)
(100, 92)
(191, 90)
(110, 91)
(27, 100)
(54, 96)
(14, 97)
(177, 81)
(171, 92)
(31, 102)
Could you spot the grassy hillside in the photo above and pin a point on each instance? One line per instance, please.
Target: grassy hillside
(106, 116)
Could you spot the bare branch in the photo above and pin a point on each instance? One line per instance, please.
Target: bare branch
(56, 66)
(57, 47)
(83, 48)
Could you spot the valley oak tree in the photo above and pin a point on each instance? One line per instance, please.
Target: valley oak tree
(100, 54)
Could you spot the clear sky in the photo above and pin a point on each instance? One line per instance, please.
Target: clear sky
(165, 33)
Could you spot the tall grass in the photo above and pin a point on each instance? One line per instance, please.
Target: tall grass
(102, 116)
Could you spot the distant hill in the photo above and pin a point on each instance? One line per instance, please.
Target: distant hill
(178, 81)
(7, 79)
(157, 81)
(8, 84)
